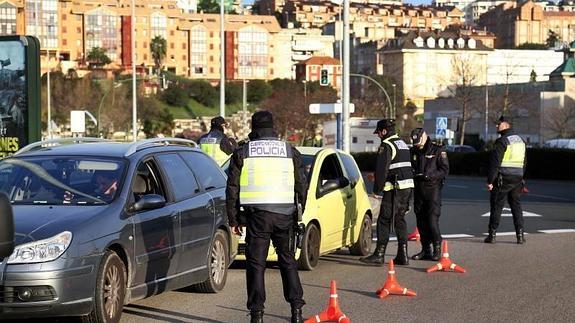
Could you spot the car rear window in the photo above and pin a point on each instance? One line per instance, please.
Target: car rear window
(61, 180)
(181, 178)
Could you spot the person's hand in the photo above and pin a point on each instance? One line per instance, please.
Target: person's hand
(375, 196)
(238, 230)
(489, 187)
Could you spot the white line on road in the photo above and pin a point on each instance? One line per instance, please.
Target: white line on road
(455, 236)
(508, 215)
(503, 234)
(556, 231)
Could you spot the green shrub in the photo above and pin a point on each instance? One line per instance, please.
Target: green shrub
(175, 95)
(203, 92)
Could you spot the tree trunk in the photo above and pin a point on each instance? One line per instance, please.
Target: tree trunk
(463, 124)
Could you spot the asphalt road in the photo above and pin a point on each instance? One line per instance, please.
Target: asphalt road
(504, 282)
(549, 205)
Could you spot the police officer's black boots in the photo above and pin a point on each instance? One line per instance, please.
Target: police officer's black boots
(257, 317)
(377, 257)
(490, 237)
(436, 251)
(424, 254)
(401, 257)
(296, 315)
(520, 236)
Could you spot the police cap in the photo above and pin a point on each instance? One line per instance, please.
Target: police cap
(386, 124)
(218, 122)
(262, 120)
(504, 118)
(416, 135)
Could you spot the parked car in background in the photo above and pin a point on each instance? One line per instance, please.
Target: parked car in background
(460, 148)
(337, 213)
(560, 143)
(101, 224)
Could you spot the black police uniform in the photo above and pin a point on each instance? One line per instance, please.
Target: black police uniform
(430, 167)
(265, 222)
(393, 177)
(507, 185)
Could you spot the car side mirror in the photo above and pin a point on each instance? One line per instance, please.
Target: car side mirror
(333, 184)
(343, 182)
(6, 227)
(148, 202)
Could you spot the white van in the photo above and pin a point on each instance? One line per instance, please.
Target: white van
(560, 143)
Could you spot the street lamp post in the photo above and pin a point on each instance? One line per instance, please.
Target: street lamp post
(393, 99)
(134, 94)
(222, 62)
(345, 79)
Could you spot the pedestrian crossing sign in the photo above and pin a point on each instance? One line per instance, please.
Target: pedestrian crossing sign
(441, 123)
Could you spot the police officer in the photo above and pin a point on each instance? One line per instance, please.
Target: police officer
(265, 177)
(430, 167)
(505, 178)
(393, 177)
(215, 143)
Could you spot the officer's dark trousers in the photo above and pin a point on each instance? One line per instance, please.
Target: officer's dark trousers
(386, 214)
(427, 207)
(510, 189)
(261, 227)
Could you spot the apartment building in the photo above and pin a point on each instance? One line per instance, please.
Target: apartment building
(69, 29)
(515, 24)
(295, 45)
(480, 7)
(369, 17)
(463, 5)
(429, 64)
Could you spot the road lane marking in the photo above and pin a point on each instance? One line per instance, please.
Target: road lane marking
(508, 215)
(503, 234)
(455, 236)
(556, 231)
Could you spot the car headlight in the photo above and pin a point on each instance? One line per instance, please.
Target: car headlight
(41, 250)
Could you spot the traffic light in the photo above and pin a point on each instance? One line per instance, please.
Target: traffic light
(324, 77)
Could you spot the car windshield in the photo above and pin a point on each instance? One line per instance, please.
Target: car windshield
(57, 180)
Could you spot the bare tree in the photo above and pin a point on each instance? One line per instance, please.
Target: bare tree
(560, 121)
(465, 76)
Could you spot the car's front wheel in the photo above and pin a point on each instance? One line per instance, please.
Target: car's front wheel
(218, 263)
(110, 290)
(309, 255)
(363, 244)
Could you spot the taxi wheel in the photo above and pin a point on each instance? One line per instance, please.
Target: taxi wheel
(363, 244)
(309, 255)
(218, 263)
(110, 290)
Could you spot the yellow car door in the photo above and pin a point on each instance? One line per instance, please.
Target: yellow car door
(330, 200)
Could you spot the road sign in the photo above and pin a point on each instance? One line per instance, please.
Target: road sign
(441, 123)
(317, 108)
(440, 133)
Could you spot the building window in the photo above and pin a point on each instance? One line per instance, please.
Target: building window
(7, 19)
(159, 24)
(145, 57)
(145, 45)
(101, 31)
(64, 17)
(184, 57)
(183, 45)
(252, 52)
(44, 14)
(78, 30)
(211, 70)
(211, 58)
(64, 30)
(198, 50)
(171, 33)
(64, 42)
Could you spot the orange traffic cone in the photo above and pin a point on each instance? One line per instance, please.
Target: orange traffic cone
(391, 286)
(333, 312)
(445, 264)
(414, 236)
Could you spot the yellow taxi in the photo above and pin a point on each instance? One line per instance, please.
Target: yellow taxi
(338, 212)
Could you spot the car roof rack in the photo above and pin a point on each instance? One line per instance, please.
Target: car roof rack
(58, 142)
(147, 143)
